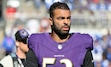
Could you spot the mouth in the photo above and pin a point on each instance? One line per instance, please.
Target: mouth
(65, 28)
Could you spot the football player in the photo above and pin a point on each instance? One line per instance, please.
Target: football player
(60, 48)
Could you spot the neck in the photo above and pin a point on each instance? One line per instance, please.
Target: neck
(20, 54)
(58, 39)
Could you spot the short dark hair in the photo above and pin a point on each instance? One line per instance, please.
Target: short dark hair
(57, 5)
(22, 35)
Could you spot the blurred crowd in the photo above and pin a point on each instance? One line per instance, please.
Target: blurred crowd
(32, 15)
(102, 50)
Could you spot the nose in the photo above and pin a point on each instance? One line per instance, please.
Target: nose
(66, 21)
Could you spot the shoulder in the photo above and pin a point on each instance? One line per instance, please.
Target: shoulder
(5, 61)
(85, 39)
(34, 39)
(5, 58)
(36, 35)
(83, 36)
(88, 41)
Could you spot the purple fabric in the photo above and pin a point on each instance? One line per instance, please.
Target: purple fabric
(73, 49)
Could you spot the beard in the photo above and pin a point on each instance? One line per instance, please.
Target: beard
(60, 33)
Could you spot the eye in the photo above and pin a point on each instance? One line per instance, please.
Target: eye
(61, 18)
(68, 17)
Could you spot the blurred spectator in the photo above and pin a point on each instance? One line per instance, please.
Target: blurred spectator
(105, 62)
(33, 25)
(92, 18)
(48, 3)
(104, 42)
(44, 25)
(109, 64)
(109, 37)
(2, 52)
(108, 53)
(8, 44)
(10, 12)
(97, 51)
(98, 64)
(37, 3)
(17, 59)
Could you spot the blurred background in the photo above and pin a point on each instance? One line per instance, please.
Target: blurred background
(88, 16)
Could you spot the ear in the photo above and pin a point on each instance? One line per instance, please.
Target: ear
(50, 21)
(17, 43)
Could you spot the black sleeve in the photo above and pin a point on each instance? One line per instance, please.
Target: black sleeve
(88, 60)
(31, 60)
(1, 65)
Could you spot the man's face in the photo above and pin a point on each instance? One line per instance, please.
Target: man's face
(23, 47)
(61, 21)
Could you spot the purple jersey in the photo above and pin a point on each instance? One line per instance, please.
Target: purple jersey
(67, 54)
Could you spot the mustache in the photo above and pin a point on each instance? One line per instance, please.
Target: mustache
(66, 25)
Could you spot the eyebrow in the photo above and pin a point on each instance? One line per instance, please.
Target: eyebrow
(64, 17)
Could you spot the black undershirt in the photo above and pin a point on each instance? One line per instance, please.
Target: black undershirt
(31, 60)
(23, 61)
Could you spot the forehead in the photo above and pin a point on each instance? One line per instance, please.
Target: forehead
(61, 12)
